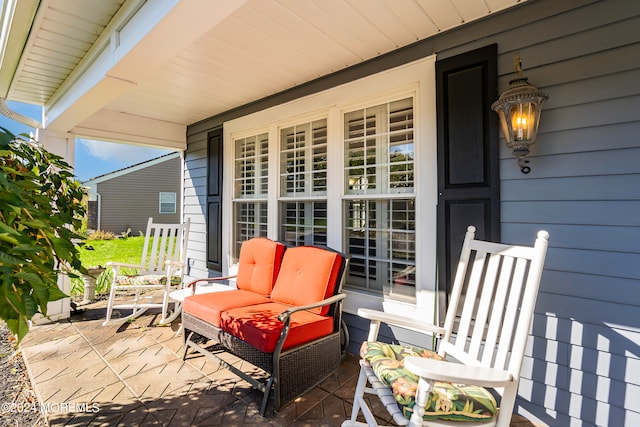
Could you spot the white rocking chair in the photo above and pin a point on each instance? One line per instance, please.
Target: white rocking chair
(162, 266)
(483, 339)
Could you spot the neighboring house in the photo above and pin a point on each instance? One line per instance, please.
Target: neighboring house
(123, 200)
(269, 101)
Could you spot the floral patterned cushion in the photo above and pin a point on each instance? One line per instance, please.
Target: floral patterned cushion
(147, 279)
(446, 401)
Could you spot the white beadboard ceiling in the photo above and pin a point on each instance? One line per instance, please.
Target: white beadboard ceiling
(178, 62)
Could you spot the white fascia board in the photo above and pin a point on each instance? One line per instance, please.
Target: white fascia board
(17, 18)
(109, 125)
(92, 183)
(130, 53)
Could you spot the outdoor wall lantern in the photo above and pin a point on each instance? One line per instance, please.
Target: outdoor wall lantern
(519, 111)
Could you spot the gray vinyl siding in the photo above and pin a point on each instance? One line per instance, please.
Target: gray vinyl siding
(128, 200)
(195, 202)
(583, 362)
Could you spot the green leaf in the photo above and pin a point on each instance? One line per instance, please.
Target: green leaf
(62, 247)
(9, 260)
(55, 294)
(18, 326)
(9, 239)
(31, 306)
(31, 278)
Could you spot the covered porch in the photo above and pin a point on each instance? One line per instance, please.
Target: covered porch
(132, 373)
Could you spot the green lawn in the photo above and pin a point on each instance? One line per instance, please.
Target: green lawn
(98, 252)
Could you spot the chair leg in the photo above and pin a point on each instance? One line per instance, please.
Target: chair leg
(506, 405)
(165, 306)
(422, 394)
(112, 294)
(187, 337)
(359, 405)
(265, 397)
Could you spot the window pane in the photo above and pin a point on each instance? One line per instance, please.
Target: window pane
(167, 202)
(303, 159)
(379, 149)
(380, 238)
(251, 166)
(250, 221)
(303, 223)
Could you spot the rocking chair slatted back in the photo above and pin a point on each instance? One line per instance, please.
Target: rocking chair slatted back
(162, 266)
(483, 319)
(163, 243)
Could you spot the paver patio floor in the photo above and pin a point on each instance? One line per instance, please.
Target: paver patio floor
(132, 374)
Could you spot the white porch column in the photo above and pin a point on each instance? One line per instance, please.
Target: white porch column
(63, 145)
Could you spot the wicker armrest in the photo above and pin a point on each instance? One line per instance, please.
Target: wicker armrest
(208, 279)
(284, 316)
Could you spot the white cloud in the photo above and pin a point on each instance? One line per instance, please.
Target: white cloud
(124, 153)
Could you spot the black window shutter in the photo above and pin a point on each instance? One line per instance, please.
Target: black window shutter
(468, 156)
(214, 201)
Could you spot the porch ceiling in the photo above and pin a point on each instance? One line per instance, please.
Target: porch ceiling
(141, 71)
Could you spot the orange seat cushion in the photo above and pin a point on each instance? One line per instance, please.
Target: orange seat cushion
(259, 326)
(259, 265)
(209, 306)
(308, 274)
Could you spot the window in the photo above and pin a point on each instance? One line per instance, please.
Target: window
(378, 199)
(167, 203)
(352, 168)
(250, 189)
(303, 184)
(379, 205)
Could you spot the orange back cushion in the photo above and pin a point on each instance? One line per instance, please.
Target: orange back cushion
(260, 260)
(308, 274)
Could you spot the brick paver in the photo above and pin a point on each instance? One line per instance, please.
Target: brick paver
(132, 374)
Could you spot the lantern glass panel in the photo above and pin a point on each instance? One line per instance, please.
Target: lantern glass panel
(523, 121)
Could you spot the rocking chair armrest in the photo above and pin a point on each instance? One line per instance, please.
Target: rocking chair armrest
(208, 279)
(376, 316)
(115, 264)
(457, 373)
(175, 263)
(284, 316)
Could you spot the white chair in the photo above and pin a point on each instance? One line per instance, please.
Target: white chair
(483, 341)
(162, 266)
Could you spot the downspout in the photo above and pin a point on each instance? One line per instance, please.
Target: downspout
(27, 121)
(99, 199)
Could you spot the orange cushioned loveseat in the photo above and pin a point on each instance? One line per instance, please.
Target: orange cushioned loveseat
(285, 317)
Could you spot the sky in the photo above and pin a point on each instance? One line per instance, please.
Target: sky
(92, 158)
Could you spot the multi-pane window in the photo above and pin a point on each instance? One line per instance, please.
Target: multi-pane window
(251, 221)
(168, 202)
(251, 166)
(303, 183)
(378, 219)
(303, 160)
(379, 149)
(250, 189)
(304, 222)
(379, 206)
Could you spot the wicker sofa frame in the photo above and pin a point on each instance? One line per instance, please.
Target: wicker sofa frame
(290, 372)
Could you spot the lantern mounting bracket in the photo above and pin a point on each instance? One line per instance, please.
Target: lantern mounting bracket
(519, 110)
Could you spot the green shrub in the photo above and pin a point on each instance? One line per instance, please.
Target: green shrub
(40, 206)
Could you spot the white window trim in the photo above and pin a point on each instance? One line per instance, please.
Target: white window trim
(175, 202)
(415, 79)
